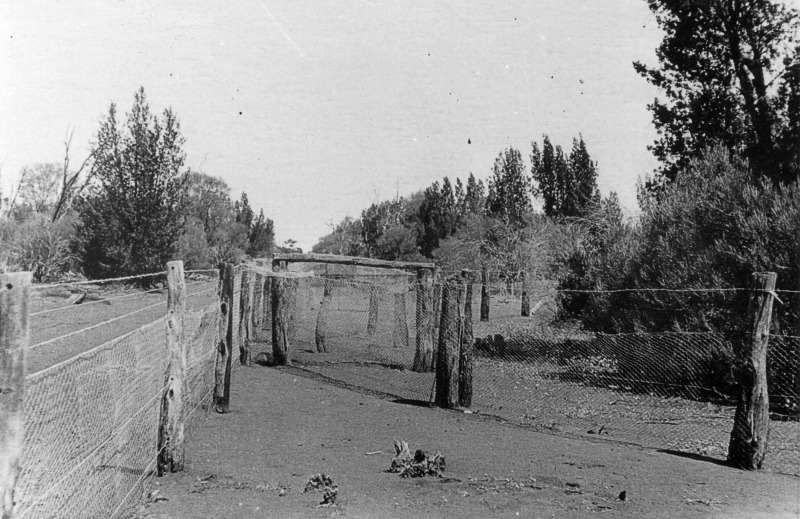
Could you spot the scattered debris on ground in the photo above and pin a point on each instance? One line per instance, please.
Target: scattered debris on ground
(329, 489)
(416, 466)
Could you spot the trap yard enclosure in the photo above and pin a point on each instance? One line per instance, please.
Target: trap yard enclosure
(92, 422)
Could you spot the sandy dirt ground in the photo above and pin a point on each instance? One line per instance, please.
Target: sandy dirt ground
(284, 428)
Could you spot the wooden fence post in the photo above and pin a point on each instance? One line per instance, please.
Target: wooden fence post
(748, 443)
(484, 295)
(372, 316)
(437, 306)
(171, 421)
(467, 345)
(280, 320)
(257, 308)
(526, 298)
(14, 338)
(400, 331)
(449, 345)
(245, 316)
(222, 369)
(325, 308)
(268, 303)
(423, 357)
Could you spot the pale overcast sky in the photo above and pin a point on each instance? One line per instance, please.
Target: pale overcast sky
(317, 109)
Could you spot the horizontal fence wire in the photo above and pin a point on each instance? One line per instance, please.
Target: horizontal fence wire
(96, 281)
(91, 420)
(96, 299)
(667, 384)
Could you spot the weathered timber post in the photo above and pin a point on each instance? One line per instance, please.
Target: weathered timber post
(280, 320)
(467, 345)
(400, 335)
(222, 368)
(423, 357)
(449, 344)
(171, 422)
(245, 310)
(257, 310)
(372, 318)
(267, 324)
(437, 305)
(484, 295)
(526, 299)
(322, 317)
(748, 443)
(14, 338)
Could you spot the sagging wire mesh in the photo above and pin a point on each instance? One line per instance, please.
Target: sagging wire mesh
(92, 420)
(651, 367)
(654, 368)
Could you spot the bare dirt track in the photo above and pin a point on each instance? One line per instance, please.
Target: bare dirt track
(284, 428)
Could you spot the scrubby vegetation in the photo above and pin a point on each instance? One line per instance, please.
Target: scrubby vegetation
(128, 208)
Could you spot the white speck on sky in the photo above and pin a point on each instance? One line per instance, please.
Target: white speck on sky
(317, 109)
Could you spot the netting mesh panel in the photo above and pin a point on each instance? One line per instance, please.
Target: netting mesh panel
(92, 421)
(666, 390)
(672, 390)
(91, 426)
(361, 333)
(200, 328)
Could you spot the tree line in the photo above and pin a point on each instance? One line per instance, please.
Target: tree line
(476, 223)
(130, 207)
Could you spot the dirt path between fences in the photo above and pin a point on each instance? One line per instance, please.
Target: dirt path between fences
(284, 428)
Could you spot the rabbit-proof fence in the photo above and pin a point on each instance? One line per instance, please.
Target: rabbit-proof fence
(665, 382)
(93, 391)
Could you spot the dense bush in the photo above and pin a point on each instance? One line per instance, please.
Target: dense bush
(711, 228)
(38, 245)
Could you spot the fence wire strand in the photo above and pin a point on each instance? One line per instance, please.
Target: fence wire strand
(90, 441)
(667, 389)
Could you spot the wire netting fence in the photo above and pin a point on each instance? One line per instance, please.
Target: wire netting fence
(94, 389)
(672, 388)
